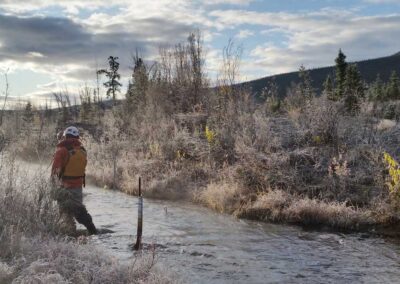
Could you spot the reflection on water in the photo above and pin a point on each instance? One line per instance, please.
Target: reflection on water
(205, 247)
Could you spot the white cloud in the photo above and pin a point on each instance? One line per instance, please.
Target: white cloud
(244, 34)
(69, 5)
(313, 39)
(73, 44)
(33, 54)
(73, 6)
(383, 1)
(51, 85)
(232, 2)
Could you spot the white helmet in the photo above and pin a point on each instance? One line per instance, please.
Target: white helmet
(72, 130)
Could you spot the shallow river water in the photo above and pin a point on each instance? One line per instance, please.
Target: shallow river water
(201, 246)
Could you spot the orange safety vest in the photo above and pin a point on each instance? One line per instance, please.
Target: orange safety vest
(76, 163)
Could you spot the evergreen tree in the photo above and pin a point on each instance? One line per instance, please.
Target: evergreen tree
(341, 68)
(139, 83)
(328, 88)
(354, 81)
(377, 91)
(28, 115)
(393, 88)
(305, 85)
(112, 85)
(354, 89)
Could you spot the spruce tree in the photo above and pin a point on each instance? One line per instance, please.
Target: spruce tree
(354, 89)
(305, 85)
(341, 68)
(354, 81)
(138, 86)
(393, 88)
(377, 92)
(112, 85)
(328, 88)
(28, 115)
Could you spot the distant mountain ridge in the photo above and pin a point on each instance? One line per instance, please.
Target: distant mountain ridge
(368, 69)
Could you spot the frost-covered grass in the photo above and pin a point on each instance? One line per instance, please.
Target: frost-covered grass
(33, 250)
(326, 160)
(279, 206)
(327, 163)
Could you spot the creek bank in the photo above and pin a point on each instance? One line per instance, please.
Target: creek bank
(278, 207)
(204, 246)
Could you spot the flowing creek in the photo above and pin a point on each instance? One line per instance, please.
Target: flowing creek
(201, 246)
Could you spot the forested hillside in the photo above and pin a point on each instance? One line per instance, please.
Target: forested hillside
(369, 69)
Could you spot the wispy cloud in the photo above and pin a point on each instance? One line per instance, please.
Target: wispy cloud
(313, 39)
(244, 34)
(383, 1)
(66, 39)
(47, 86)
(232, 2)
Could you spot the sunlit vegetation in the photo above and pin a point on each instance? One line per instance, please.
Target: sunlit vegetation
(314, 156)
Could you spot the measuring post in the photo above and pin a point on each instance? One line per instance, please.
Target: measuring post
(138, 244)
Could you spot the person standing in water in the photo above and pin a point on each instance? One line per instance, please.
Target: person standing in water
(68, 172)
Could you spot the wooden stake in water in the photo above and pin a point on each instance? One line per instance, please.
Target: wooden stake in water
(138, 244)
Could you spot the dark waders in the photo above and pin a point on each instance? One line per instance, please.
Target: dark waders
(71, 205)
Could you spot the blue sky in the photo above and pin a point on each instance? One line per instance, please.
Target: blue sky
(48, 46)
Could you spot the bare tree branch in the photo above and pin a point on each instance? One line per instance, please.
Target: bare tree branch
(6, 93)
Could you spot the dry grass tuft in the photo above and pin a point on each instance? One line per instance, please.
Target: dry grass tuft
(268, 206)
(386, 124)
(315, 212)
(279, 206)
(221, 196)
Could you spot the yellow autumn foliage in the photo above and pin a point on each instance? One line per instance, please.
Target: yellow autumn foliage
(394, 174)
(210, 135)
